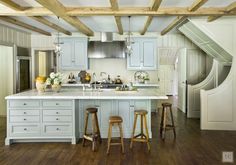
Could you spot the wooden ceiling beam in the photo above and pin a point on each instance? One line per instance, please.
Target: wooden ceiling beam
(12, 5)
(51, 25)
(127, 11)
(114, 7)
(195, 6)
(24, 25)
(173, 24)
(58, 9)
(155, 6)
(40, 19)
(229, 8)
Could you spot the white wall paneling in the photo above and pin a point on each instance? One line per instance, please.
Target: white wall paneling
(6, 74)
(13, 36)
(218, 106)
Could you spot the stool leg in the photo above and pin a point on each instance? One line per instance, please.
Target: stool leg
(141, 117)
(147, 134)
(93, 132)
(172, 120)
(161, 124)
(121, 137)
(164, 124)
(134, 127)
(98, 130)
(85, 127)
(109, 138)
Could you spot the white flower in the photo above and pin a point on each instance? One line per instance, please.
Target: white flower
(52, 75)
(56, 81)
(48, 81)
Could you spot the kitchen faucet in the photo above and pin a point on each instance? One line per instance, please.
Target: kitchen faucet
(94, 78)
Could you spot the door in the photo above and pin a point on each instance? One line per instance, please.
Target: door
(66, 59)
(6, 74)
(135, 58)
(182, 66)
(24, 74)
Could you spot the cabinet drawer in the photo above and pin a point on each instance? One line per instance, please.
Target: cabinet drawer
(56, 112)
(24, 130)
(24, 112)
(57, 129)
(24, 103)
(57, 103)
(57, 118)
(24, 119)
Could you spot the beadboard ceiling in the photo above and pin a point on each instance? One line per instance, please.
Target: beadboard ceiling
(107, 23)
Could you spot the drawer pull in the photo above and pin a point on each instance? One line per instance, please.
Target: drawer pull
(25, 129)
(25, 113)
(132, 106)
(24, 119)
(24, 104)
(58, 129)
(57, 118)
(57, 112)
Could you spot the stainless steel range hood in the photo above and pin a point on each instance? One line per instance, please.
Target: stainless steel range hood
(98, 49)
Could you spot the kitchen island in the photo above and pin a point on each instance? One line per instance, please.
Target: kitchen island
(50, 116)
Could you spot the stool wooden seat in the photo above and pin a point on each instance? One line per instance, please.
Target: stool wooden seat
(163, 125)
(95, 128)
(140, 137)
(115, 120)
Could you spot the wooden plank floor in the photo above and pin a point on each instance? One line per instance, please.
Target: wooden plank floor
(192, 147)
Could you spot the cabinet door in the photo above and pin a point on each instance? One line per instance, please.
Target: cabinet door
(106, 110)
(66, 57)
(80, 60)
(148, 59)
(134, 60)
(125, 112)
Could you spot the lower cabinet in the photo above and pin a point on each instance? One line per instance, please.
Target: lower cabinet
(40, 119)
(57, 120)
(107, 108)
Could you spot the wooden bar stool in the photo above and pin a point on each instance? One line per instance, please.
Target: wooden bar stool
(95, 128)
(164, 126)
(115, 120)
(143, 138)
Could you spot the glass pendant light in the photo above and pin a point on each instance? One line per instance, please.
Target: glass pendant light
(57, 42)
(129, 49)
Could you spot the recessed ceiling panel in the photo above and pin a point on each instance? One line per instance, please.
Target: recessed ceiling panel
(87, 3)
(134, 3)
(100, 23)
(27, 3)
(136, 23)
(218, 3)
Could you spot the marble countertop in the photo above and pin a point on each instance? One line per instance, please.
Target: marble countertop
(80, 94)
(88, 85)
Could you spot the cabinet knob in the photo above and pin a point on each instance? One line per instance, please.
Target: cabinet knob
(25, 113)
(57, 112)
(24, 119)
(57, 103)
(25, 129)
(57, 119)
(57, 129)
(24, 104)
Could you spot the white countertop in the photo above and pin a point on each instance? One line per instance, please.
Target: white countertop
(80, 94)
(87, 85)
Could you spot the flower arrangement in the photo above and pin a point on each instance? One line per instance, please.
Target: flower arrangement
(54, 79)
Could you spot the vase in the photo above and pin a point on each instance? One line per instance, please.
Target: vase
(56, 88)
(40, 86)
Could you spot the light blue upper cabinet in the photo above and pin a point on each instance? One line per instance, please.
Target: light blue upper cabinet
(74, 54)
(144, 56)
